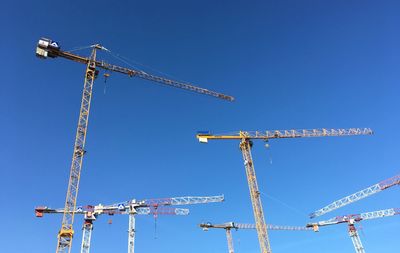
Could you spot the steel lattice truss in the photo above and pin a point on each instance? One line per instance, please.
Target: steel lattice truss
(162, 80)
(261, 226)
(92, 212)
(355, 238)
(66, 232)
(358, 196)
(51, 51)
(293, 133)
(357, 217)
(132, 208)
(351, 220)
(100, 209)
(177, 201)
(246, 138)
(234, 225)
(230, 240)
(86, 237)
(48, 48)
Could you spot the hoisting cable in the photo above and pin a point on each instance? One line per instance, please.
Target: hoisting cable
(134, 64)
(78, 48)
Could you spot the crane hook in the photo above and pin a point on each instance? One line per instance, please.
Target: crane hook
(106, 75)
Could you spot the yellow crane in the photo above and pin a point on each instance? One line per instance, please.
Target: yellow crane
(245, 138)
(49, 48)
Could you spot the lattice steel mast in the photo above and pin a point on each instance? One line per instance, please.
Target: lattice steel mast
(87, 232)
(66, 232)
(245, 138)
(355, 238)
(48, 48)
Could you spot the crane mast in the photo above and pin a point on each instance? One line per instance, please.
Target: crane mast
(131, 231)
(66, 232)
(355, 238)
(229, 240)
(87, 232)
(383, 185)
(245, 138)
(261, 226)
(48, 48)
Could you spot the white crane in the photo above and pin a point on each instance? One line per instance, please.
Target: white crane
(132, 208)
(351, 220)
(383, 185)
(229, 225)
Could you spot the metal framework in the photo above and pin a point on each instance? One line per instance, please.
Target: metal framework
(87, 232)
(190, 200)
(351, 219)
(355, 238)
(66, 232)
(261, 225)
(230, 241)
(131, 232)
(156, 203)
(358, 196)
(132, 208)
(245, 138)
(231, 225)
(283, 134)
(92, 212)
(48, 48)
(234, 225)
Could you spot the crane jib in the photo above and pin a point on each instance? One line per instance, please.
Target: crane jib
(48, 48)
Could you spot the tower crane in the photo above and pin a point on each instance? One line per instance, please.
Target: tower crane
(48, 48)
(90, 214)
(229, 225)
(156, 203)
(351, 220)
(383, 185)
(245, 138)
(131, 208)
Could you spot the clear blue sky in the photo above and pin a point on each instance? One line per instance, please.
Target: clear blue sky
(290, 64)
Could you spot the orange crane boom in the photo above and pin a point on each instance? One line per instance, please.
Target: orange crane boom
(246, 144)
(48, 48)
